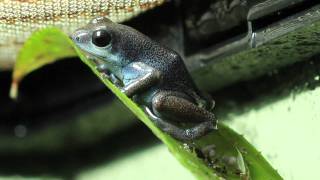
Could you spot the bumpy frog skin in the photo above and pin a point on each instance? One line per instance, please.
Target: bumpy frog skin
(153, 75)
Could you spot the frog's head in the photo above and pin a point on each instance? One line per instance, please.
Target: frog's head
(108, 41)
(95, 38)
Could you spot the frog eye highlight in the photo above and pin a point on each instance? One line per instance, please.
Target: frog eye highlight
(101, 38)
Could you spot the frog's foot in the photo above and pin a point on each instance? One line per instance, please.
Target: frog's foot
(175, 106)
(180, 133)
(102, 68)
(111, 77)
(106, 74)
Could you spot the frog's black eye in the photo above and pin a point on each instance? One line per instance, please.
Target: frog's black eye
(101, 38)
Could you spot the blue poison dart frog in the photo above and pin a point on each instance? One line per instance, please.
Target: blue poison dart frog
(154, 76)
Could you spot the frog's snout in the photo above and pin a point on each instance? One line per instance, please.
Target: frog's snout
(80, 37)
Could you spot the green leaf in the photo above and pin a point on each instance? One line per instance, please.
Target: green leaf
(40, 49)
(220, 154)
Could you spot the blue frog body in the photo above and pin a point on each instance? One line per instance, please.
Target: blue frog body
(153, 75)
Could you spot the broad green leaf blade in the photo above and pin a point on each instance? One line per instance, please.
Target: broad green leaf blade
(220, 154)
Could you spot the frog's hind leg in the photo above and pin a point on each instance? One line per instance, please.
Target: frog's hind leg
(179, 133)
(170, 104)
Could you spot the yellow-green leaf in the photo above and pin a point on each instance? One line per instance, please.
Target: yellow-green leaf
(38, 51)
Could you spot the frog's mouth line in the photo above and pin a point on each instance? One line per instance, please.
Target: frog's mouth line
(97, 60)
(90, 56)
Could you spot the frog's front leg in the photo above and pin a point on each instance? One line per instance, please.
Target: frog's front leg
(103, 69)
(138, 77)
(174, 106)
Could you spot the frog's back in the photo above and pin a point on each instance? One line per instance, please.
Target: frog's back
(139, 47)
(170, 64)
